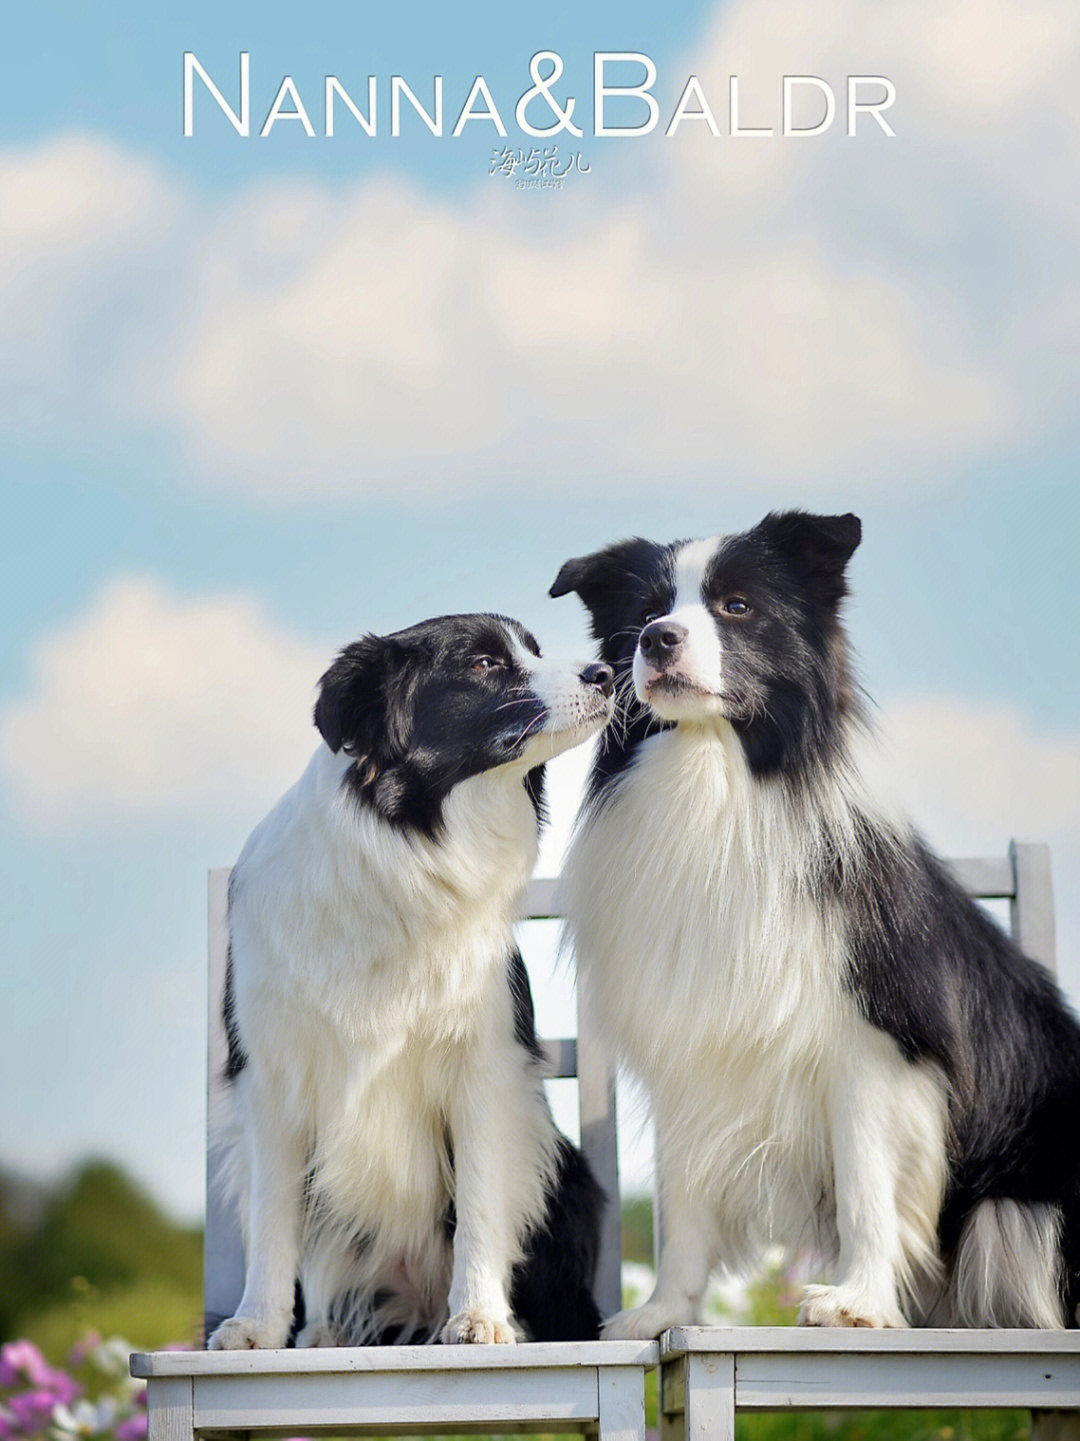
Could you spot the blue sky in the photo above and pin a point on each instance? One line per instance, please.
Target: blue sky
(258, 396)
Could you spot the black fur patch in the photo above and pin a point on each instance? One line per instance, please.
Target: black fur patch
(534, 789)
(524, 1016)
(932, 969)
(551, 1289)
(622, 586)
(236, 1057)
(787, 687)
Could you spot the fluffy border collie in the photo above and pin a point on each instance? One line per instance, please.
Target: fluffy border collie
(842, 1051)
(395, 1153)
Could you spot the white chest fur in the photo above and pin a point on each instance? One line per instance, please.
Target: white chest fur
(376, 931)
(691, 908)
(369, 965)
(703, 952)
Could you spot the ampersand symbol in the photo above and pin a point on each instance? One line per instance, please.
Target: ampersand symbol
(543, 87)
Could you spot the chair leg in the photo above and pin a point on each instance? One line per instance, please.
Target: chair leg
(169, 1412)
(709, 1413)
(621, 1403)
(1055, 1426)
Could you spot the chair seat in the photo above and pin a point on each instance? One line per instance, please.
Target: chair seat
(708, 1373)
(350, 1359)
(592, 1386)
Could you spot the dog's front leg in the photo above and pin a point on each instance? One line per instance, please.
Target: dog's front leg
(277, 1159)
(864, 1124)
(687, 1256)
(482, 1119)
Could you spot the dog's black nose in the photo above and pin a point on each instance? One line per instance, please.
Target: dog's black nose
(660, 640)
(601, 676)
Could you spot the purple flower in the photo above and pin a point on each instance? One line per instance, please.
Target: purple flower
(64, 1388)
(30, 1410)
(132, 1428)
(82, 1349)
(23, 1357)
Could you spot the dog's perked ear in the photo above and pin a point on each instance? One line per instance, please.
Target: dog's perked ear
(352, 712)
(594, 577)
(574, 575)
(589, 575)
(819, 546)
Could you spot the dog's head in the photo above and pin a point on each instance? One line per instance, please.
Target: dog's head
(741, 627)
(423, 709)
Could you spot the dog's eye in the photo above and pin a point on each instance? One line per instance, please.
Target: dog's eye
(488, 662)
(735, 605)
(650, 614)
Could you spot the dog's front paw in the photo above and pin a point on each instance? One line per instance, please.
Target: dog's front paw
(248, 1333)
(840, 1306)
(477, 1328)
(644, 1323)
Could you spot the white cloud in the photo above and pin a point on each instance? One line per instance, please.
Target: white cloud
(85, 229)
(975, 775)
(154, 705)
(979, 772)
(869, 310)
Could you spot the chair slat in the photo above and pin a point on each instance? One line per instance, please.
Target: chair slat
(1032, 910)
(988, 878)
(223, 1248)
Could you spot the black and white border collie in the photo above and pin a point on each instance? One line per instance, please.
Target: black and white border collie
(394, 1150)
(841, 1049)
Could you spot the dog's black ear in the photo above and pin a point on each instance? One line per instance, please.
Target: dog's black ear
(819, 545)
(592, 576)
(351, 710)
(573, 574)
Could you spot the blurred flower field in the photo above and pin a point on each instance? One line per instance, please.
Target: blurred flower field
(90, 1395)
(85, 1265)
(94, 1258)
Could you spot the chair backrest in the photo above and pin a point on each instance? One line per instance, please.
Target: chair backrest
(1022, 877)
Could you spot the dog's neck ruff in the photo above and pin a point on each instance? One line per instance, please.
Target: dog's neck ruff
(483, 852)
(692, 876)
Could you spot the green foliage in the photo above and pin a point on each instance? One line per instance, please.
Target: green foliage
(886, 1426)
(98, 1253)
(154, 1312)
(637, 1237)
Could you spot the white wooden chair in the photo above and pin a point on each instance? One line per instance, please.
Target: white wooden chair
(594, 1387)
(708, 1373)
(597, 1387)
